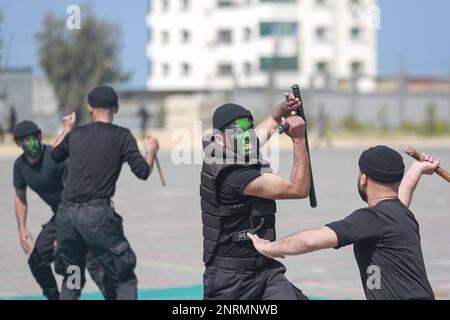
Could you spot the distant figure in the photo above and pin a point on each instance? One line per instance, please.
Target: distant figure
(12, 118)
(2, 134)
(322, 129)
(144, 117)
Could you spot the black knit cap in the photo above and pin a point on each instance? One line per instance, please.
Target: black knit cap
(24, 129)
(382, 164)
(227, 113)
(103, 97)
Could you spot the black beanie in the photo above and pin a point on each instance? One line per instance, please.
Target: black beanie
(226, 114)
(24, 129)
(382, 164)
(103, 97)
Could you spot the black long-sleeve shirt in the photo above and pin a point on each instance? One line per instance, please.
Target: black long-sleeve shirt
(96, 153)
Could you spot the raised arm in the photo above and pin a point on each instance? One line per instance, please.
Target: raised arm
(272, 186)
(68, 124)
(413, 175)
(265, 129)
(21, 208)
(296, 244)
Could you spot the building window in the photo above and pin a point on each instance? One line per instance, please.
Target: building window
(165, 69)
(277, 1)
(278, 63)
(185, 69)
(247, 68)
(149, 35)
(355, 34)
(150, 68)
(224, 36)
(321, 34)
(185, 36)
(225, 69)
(322, 67)
(278, 29)
(165, 5)
(225, 3)
(247, 34)
(357, 68)
(165, 37)
(185, 5)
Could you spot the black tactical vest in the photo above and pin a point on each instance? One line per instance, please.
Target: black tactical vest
(260, 212)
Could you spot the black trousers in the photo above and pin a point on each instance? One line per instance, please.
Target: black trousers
(269, 283)
(42, 256)
(82, 228)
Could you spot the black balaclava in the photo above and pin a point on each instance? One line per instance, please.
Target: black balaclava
(227, 113)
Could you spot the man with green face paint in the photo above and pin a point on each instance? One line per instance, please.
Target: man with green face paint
(238, 193)
(242, 135)
(36, 169)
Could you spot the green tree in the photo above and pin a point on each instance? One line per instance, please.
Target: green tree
(75, 61)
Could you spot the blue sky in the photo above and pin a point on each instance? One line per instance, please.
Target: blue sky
(417, 29)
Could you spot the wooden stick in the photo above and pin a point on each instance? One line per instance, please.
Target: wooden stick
(161, 175)
(413, 153)
(158, 166)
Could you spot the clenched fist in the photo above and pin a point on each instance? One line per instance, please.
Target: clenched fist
(296, 127)
(69, 121)
(286, 108)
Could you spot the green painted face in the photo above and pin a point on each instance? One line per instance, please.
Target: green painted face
(243, 135)
(32, 147)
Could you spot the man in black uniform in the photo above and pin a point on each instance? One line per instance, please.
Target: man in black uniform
(86, 219)
(237, 196)
(385, 235)
(35, 168)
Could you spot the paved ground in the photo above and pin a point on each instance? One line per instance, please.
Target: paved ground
(164, 227)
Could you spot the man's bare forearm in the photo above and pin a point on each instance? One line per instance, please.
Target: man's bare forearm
(61, 137)
(295, 244)
(300, 174)
(409, 184)
(266, 128)
(21, 209)
(303, 242)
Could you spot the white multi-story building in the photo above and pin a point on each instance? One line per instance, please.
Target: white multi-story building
(197, 45)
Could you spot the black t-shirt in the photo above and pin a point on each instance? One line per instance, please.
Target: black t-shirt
(231, 185)
(387, 247)
(46, 177)
(96, 153)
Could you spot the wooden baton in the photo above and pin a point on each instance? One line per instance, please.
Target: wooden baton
(413, 153)
(158, 166)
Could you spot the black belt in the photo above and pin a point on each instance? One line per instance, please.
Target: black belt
(240, 264)
(91, 203)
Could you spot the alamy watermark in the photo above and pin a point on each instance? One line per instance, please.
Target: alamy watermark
(373, 281)
(73, 281)
(73, 21)
(189, 149)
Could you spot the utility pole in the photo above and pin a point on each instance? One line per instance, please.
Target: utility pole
(403, 88)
